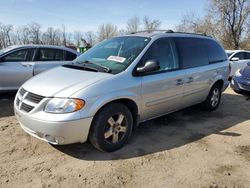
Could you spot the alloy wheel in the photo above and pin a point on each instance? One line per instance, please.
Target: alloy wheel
(116, 128)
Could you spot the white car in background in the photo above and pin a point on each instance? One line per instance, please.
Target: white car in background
(238, 60)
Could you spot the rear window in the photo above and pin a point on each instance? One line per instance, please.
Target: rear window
(50, 54)
(247, 55)
(215, 52)
(192, 52)
(70, 56)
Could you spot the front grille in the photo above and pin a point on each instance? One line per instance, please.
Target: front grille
(22, 91)
(17, 102)
(26, 107)
(34, 97)
(27, 101)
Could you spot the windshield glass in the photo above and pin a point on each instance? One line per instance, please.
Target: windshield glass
(229, 54)
(115, 54)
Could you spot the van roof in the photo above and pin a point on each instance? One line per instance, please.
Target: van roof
(153, 33)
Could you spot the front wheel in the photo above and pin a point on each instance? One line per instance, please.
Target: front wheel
(111, 127)
(213, 99)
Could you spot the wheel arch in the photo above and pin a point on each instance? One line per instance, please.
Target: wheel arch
(128, 102)
(220, 82)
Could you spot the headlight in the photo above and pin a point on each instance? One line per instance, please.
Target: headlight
(64, 105)
(238, 73)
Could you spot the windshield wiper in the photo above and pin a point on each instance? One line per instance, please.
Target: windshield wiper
(80, 67)
(100, 68)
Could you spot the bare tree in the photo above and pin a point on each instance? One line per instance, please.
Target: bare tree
(90, 38)
(51, 36)
(122, 32)
(133, 24)
(64, 35)
(5, 35)
(151, 24)
(78, 35)
(35, 32)
(233, 16)
(106, 31)
(191, 23)
(23, 35)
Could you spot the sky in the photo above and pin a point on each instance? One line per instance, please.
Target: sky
(88, 15)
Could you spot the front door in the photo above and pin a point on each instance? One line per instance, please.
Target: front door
(162, 90)
(15, 68)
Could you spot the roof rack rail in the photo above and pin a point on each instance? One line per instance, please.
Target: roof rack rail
(170, 31)
(201, 34)
(150, 31)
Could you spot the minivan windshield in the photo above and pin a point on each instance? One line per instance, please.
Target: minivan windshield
(116, 54)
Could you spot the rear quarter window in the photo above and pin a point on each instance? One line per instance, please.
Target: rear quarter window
(215, 52)
(192, 52)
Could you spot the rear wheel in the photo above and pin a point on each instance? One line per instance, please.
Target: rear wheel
(213, 99)
(111, 127)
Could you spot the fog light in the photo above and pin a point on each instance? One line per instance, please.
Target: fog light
(54, 140)
(59, 140)
(50, 139)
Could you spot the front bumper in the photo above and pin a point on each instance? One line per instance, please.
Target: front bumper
(57, 133)
(240, 84)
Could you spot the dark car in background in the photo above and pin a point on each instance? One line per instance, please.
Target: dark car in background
(241, 80)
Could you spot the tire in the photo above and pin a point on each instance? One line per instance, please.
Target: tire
(111, 127)
(213, 99)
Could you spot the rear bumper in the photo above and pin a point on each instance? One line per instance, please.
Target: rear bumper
(57, 133)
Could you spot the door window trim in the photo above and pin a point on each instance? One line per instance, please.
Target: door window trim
(162, 71)
(18, 49)
(38, 53)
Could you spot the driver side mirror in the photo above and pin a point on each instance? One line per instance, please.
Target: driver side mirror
(235, 59)
(150, 66)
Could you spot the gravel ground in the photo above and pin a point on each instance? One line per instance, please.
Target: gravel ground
(189, 148)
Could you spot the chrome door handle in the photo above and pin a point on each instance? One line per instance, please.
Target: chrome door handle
(179, 82)
(190, 79)
(27, 65)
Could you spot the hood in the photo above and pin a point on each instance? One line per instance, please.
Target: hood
(62, 82)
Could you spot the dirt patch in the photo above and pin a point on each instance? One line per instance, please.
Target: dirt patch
(244, 151)
(189, 148)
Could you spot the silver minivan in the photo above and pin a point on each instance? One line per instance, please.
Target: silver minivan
(107, 91)
(20, 63)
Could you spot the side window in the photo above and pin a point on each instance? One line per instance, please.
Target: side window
(20, 55)
(247, 55)
(215, 52)
(164, 51)
(240, 55)
(192, 52)
(49, 54)
(70, 56)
